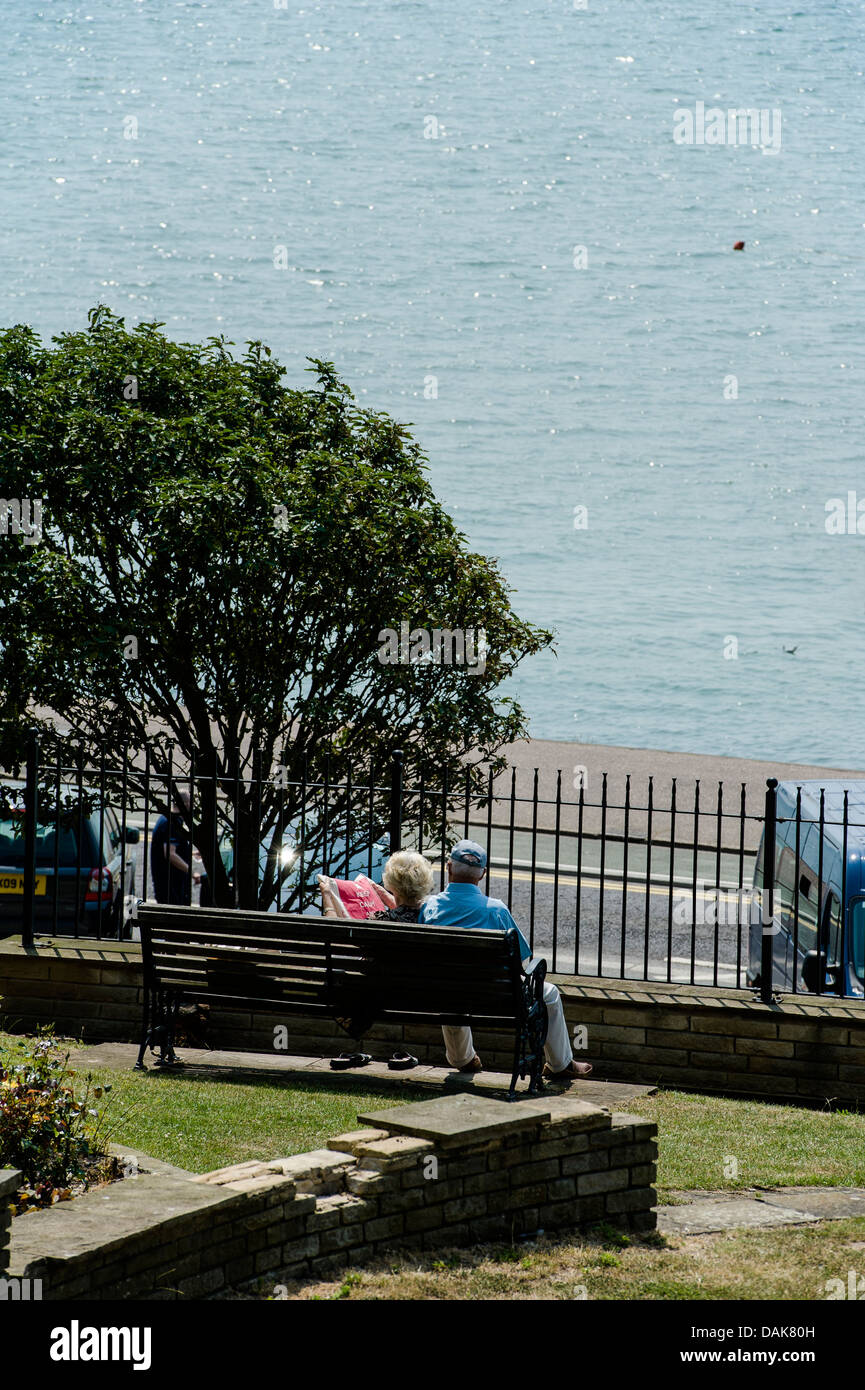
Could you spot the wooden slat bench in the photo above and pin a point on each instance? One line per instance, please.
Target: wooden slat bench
(356, 972)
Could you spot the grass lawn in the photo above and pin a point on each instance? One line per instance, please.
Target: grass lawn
(204, 1124)
(773, 1145)
(792, 1263)
(201, 1124)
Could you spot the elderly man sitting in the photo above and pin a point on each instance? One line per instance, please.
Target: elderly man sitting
(462, 904)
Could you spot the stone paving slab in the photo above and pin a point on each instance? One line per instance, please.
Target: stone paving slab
(700, 1218)
(287, 1067)
(826, 1203)
(579, 1114)
(782, 1206)
(459, 1119)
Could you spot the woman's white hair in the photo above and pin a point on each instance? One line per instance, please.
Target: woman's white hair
(410, 875)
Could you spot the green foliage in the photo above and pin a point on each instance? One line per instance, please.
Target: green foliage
(46, 1130)
(610, 1235)
(607, 1260)
(449, 1262)
(350, 1282)
(254, 539)
(200, 1124)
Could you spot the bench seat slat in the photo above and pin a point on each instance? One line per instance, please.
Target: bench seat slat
(424, 985)
(243, 1004)
(363, 933)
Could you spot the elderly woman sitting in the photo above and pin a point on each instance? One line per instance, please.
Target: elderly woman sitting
(407, 880)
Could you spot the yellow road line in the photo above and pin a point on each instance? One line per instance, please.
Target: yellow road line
(615, 886)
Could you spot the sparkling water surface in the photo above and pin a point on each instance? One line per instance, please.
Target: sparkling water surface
(431, 168)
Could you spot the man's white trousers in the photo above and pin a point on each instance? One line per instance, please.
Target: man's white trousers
(460, 1048)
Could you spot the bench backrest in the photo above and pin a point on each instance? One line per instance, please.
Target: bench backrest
(321, 965)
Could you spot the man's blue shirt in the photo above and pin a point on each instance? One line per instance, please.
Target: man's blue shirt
(464, 905)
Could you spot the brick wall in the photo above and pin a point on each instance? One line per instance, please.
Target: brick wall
(92, 990)
(684, 1036)
(492, 1171)
(10, 1180)
(698, 1038)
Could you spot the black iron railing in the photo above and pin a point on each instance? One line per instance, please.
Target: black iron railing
(658, 883)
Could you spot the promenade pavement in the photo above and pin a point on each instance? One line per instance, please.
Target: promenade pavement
(548, 756)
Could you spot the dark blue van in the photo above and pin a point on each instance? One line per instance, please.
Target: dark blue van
(813, 891)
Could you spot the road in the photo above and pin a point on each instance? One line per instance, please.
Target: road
(552, 915)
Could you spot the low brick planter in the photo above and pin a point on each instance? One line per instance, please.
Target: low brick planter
(447, 1172)
(10, 1181)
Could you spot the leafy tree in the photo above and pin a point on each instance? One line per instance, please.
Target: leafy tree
(219, 555)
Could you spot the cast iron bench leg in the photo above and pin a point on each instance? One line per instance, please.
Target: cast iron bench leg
(146, 1033)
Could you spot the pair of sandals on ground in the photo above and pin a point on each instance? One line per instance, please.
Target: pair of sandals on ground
(404, 1061)
(400, 1061)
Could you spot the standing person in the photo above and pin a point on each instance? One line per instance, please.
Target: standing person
(171, 855)
(463, 904)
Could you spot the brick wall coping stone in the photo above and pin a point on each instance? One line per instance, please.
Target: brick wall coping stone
(649, 993)
(105, 1218)
(463, 1119)
(70, 948)
(315, 1171)
(10, 1181)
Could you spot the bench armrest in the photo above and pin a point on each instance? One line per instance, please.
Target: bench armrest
(532, 964)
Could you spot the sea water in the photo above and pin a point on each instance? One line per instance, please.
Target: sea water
(493, 221)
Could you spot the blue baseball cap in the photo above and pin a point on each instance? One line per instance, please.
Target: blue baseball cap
(468, 852)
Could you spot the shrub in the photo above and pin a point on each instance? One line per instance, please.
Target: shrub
(212, 486)
(47, 1131)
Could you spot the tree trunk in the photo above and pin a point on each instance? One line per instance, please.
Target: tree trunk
(246, 853)
(222, 894)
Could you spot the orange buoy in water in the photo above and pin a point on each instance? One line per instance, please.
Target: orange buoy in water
(738, 245)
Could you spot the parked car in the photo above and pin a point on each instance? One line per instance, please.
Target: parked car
(369, 861)
(89, 899)
(825, 942)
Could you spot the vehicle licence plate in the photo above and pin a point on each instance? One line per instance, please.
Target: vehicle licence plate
(14, 883)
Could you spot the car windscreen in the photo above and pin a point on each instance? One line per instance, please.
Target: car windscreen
(12, 844)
